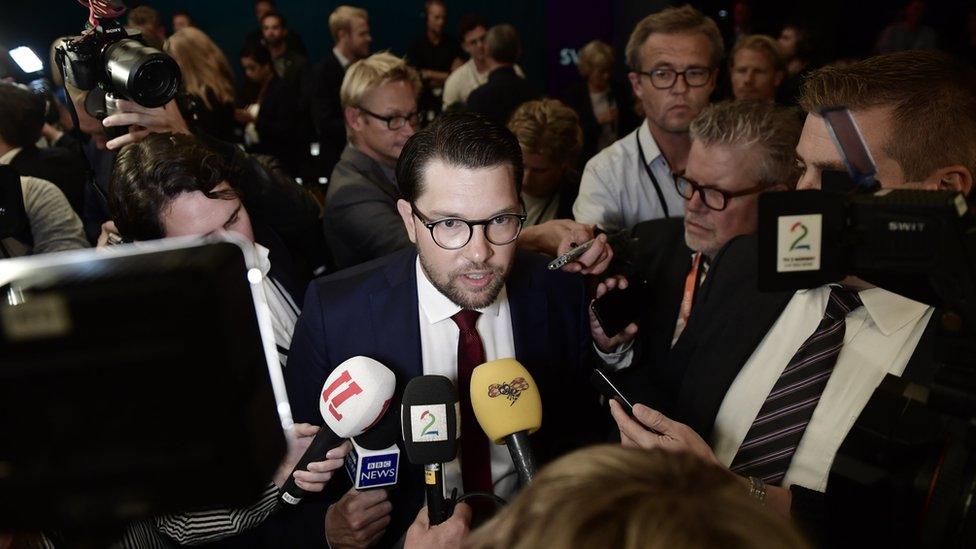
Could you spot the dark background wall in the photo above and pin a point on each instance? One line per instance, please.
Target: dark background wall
(552, 30)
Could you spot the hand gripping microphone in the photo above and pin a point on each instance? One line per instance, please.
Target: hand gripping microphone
(429, 415)
(375, 457)
(354, 397)
(506, 402)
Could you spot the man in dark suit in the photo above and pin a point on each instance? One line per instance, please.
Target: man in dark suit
(420, 311)
(770, 384)
(21, 120)
(350, 30)
(505, 90)
(739, 149)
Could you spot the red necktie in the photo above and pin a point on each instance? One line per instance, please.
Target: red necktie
(475, 453)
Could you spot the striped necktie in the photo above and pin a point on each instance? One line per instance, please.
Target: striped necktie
(771, 442)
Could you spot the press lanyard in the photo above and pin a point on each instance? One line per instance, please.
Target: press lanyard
(657, 187)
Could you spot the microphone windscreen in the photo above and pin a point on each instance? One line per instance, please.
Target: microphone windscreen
(429, 415)
(356, 395)
(505, 399)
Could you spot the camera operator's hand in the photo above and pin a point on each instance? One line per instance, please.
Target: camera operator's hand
(144, 121)
(319, 472)
(358, 519)
(449, 534)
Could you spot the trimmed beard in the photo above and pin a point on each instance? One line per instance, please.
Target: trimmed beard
(450, 288)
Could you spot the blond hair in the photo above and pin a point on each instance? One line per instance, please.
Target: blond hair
(769, 129)
(367, 74)
(595, 55)
(765, 45)
(341, 19)
(930, 97)
(549, 128)
(626, 498)
(204, 67)
(683, 20)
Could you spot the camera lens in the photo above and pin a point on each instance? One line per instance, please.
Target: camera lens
(140, 73)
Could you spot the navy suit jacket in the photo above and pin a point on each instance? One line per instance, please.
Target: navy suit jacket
(372, 310)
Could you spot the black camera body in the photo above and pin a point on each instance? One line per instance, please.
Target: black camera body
(115, 61)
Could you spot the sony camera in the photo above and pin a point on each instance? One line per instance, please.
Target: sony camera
(112, 63)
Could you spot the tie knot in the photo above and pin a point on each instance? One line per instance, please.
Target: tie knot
(841, 301)
(466, 319)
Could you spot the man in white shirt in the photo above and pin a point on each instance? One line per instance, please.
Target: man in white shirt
(917, 112)
(474, 72)
(464, 276)
(674, 57)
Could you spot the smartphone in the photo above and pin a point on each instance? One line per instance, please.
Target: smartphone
(571, 255)
(617, 308)
(606, 387)
(850, 143)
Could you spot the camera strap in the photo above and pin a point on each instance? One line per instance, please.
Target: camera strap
(647, 168)
(76, 132)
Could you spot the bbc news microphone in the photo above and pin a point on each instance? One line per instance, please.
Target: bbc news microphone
(506, 402)
(374, 460)
(354, 398)
(429, 415)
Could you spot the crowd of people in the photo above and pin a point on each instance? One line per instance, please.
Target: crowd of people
(451, 181)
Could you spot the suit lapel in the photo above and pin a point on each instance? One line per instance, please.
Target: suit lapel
(528, 303)
(395, 322)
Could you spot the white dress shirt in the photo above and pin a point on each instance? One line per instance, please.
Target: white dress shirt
(879, 339)
(439, 347)
(343, 60)
(615, 190)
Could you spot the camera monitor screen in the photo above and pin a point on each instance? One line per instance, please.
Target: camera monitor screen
(135, 381)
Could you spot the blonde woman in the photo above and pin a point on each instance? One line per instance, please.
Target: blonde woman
(207, 77)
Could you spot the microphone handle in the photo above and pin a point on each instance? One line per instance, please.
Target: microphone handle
(324, 440)
(438, 508)
(518, 447)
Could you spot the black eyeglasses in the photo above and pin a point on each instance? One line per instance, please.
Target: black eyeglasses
(396, 122)
(715, 199)
(662, 79)
(453, 233)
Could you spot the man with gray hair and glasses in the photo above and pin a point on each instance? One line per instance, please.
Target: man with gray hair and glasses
(674, 57)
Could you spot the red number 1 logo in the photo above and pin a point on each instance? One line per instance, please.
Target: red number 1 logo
(352, 390)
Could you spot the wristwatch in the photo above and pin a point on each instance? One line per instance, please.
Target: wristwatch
(757, 490)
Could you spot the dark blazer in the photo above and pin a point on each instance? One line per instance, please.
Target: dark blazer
(372, 310)
(330, 125)
(656, 253)
(61, 166)
(501, 94)
(361, 221)
(283, 124)
(578, 98)
(730, 319)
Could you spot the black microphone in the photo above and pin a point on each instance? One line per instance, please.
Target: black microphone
(429, 415)
(374, 461)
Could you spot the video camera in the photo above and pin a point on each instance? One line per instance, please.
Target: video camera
(112, 62)
(905, 474)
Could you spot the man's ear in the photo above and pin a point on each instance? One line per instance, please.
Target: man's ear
(951, 178)
(635, 84)
(406, 213)
(353, 120)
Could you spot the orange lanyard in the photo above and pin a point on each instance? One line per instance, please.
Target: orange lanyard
(688, 298)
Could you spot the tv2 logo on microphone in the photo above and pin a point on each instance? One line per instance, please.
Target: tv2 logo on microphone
(351, 389)
(512, 390)
(428, 423)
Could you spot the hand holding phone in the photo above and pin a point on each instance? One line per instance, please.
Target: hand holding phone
(571, 255)
(602, 383)
(617, 308)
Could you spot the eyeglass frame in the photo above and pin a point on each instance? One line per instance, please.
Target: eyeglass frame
(389, 119)
(430, 223)
(677, 73)
(697, 187)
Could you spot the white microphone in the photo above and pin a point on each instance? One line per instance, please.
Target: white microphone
(354, 398)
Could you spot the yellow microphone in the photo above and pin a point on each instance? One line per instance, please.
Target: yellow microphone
(507, 405)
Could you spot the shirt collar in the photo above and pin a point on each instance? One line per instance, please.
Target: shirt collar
(343, 60)
(263, 257)
(651, 151)
(889, 311)
(437, 307)
(8, 157)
